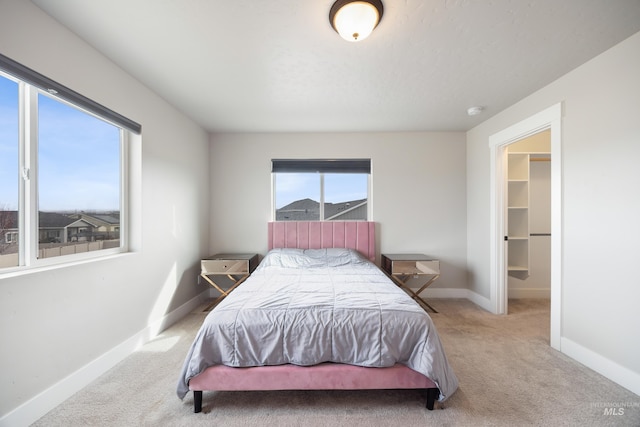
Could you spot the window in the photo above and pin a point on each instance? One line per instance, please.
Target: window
(63, 172)
(9, 173)
(321, 190)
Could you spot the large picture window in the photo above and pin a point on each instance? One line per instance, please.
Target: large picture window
(321, 190)
(63, 172)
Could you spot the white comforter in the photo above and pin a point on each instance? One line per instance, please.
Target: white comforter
(313, 306)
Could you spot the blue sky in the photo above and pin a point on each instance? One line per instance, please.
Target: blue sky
(78, 156)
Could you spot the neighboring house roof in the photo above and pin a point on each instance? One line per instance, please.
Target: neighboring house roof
(300, 210)
(333, 210)
(54, 220)
(9, 220)
(307, 209)
(78, 223)
(109, 219)
(97, 220)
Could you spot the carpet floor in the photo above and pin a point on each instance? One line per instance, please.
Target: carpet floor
(508, 374)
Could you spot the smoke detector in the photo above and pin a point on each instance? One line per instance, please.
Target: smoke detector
(474, 111)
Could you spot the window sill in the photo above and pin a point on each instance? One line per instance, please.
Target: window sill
(55, 265)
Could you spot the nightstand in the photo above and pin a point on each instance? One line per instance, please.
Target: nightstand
(402, 267)
(237, 267)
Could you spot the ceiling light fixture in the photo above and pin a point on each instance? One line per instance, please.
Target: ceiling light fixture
(355, 20)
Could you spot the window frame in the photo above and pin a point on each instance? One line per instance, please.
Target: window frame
(321, 167)
(28, 227)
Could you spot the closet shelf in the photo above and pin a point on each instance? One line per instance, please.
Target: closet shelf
(518, 212)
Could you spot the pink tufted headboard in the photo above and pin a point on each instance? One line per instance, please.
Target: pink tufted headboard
(358, 235)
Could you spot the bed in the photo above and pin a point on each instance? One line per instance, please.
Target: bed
(317, 314)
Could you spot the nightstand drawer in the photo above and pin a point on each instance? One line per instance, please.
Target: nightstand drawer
(224, 266)
(229, 264)
(415, 267)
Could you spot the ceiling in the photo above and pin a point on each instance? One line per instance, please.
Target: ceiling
(278, 66)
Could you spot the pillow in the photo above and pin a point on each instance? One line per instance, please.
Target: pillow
(289, 258)
(312, 258)
(336, 257)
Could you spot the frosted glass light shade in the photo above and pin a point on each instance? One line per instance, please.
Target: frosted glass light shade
(355, 20)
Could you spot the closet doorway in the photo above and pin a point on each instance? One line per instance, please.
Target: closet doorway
(528, 217)
(547, 120)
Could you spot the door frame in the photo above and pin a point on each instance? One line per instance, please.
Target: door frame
(551, 119)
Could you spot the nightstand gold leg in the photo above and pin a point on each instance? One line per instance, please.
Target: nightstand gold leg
(214, 303)
(223, 293)
(402, 283)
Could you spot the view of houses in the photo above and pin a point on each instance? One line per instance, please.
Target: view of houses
(60, 233)
(309, 210)
(61, 229)
(57, 229)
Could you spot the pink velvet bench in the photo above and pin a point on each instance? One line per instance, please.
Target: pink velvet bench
(325, 376)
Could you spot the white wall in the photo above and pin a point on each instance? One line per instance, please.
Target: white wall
(56, 322)
(601, 207)
(418, 190)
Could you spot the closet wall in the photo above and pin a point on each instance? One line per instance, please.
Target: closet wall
(530, 215)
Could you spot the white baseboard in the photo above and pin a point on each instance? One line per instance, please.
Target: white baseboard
(475, 298)
(479, 300)
(445, 293)
(39, 405)
(606, 367)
